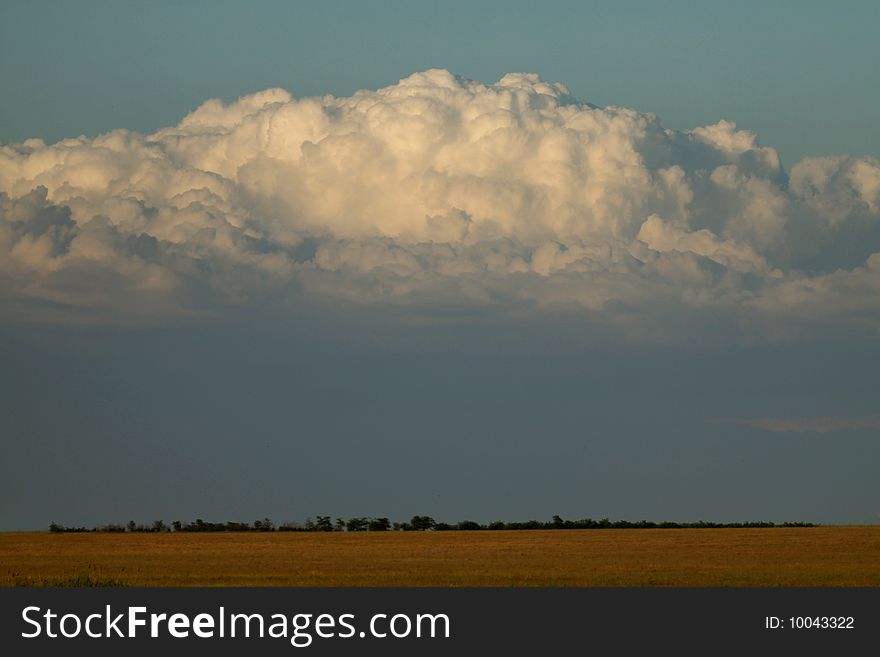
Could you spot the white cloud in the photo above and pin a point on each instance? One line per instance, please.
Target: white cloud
(438, 190)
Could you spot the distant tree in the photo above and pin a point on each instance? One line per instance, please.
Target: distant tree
(132, 525)
(468, 525)
(340, 525)
(159, 526)
(356, 525)
(379, 525)
(422, 523)
(322, 524)
(176, 525)
(55, 527)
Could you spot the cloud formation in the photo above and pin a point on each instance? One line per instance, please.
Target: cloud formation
(813, 424)
(435, 191)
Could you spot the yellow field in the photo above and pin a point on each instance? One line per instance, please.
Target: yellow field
(818, 556)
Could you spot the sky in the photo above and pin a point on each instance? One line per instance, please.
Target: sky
(383, 259)
(800, 73)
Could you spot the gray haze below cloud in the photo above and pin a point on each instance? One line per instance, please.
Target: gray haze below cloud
(242, 421)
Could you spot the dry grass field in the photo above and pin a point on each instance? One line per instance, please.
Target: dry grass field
(818, 556)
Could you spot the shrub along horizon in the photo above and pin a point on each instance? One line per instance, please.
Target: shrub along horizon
(416, 523)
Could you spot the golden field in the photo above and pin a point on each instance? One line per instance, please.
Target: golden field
(809, 556)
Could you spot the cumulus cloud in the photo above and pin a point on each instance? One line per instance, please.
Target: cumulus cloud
(438, 190)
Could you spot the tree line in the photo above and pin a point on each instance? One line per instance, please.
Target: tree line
(416, 523)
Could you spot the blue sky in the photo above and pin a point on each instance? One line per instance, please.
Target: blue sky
(437, 296)
(802, 74)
